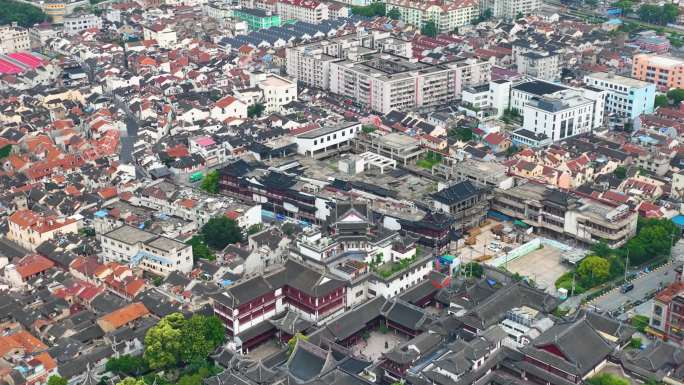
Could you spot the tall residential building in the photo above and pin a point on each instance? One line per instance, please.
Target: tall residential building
(663, 71)
(626, 96)
(13, 39)
(510, 9)
(447, 14)
(309, 11)
(386, 82)
(309, 63)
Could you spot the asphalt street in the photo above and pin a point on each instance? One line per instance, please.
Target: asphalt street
(644, 285)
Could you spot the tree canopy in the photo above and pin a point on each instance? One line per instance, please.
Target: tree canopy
(654, 14)
(25, 15)
(177, 340)
(56, 380)
(654, 239)
(394, 14)
(429, 29)
(594, 270)
(625, 5)
(371, 10)
(200, 250)
(255, 110)
(464, 134)
(676, 95)
(608, 379)
(210, 183)
(620, 172)
(127, 365)
(220, 232)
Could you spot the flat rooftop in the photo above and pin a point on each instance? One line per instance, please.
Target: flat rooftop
(665, 61)
(317, 133)
(398, 141)
(391, 67)
(130, 235)
(623, 80)
(166, 244)
(275, 81)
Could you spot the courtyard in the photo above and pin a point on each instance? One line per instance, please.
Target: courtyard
(377, 343)
(543, 265)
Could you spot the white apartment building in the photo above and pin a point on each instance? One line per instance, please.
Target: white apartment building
(309, 11)
(13, 39)
(510, 9)
(540, 65)
(78, 22)
(626, 97)
(217, 10)
(151, 252)
(387, 82)
(567, 114)
(447, 15)
(163, 34)
(277, 91)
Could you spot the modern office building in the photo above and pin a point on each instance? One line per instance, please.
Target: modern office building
(664, 71)
(257, 18)
(448, 15)
(568, 114)
(625, 96)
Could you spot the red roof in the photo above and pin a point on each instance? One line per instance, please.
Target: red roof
(32, 265)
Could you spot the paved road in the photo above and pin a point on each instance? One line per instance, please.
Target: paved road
(644, 286)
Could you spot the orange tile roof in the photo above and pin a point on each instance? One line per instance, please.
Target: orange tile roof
(20, 340)
(32, 265)
(125, 315)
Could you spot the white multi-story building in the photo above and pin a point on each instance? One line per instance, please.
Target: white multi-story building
(447, 15)
(541, 65)
(13, 39)
(163, 34)
(626, 97)
(310, 11)
(149, 251)
(218, 10)
(387, 82)
(325, 139)
(277, 91)
(78, 22)
(566, 114)
(511, 9)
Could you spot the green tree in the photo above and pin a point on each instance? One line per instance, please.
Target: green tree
(200, 250)
(201, 335)
(24, 14)
(368, 128)
(676, 95)
(593, 270)
(394, 14)
(519, 16)
(255, 110)
(429, 29)
(635, 343)
(163, 342)
(620, 172)
(625, 5)
(591, 3)
(601, 249)
(463, 134)
(131, 381)
(127, 365)
(56, 380)
(289, 228)
(650, 13)
(292, 342)
(661, 101)
(5, 151)
(512, 150)
(473, 269)
(608, 379)
(640, 322)
(220, 232)
(255, 228)
(669, 13)
(210, 183)
(372, 10)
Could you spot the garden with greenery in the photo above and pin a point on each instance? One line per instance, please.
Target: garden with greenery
(177, 352)
(651, 245)
(216, 234)
(430, 160)
(26, 15)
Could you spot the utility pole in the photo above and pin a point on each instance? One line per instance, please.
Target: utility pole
(572, 289)
(626, 265)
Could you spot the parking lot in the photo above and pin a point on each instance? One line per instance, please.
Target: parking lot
(543, 265)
